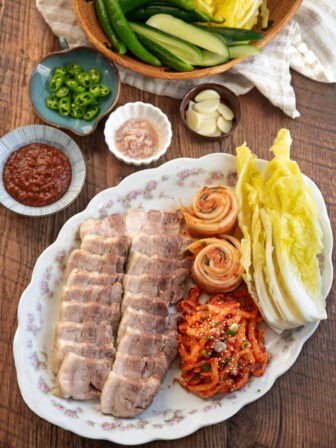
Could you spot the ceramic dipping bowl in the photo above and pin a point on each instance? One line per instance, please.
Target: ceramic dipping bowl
(87, 58)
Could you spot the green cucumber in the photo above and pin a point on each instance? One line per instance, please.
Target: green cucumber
(232, 35)
(145, 12)
(210, 59)
(167, 57)
(181, 49)
(190, 33)
(242, 51)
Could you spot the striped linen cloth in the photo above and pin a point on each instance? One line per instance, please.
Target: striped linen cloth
(306, 44)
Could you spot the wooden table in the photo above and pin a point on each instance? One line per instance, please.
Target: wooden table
(300, 409)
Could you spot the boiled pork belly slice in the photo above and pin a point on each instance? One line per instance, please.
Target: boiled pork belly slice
(104, 264)
(139, 264)
(135, 366)
(145, 302)
(104, 295)
(171, 287)
(81, 378)
(87, 332)
(94, 351)
(142, 343)
(82, 278)
(153, 222)
(108, 227)
(165, 245)
(101, 245)
(141, 320)
(127, 397)
(90, 312)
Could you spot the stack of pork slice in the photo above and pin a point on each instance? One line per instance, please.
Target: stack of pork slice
(135, 271)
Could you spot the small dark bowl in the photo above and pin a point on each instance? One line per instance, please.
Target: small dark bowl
(227, 97)
(88, 58)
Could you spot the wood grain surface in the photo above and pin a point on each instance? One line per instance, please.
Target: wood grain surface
(300, 409)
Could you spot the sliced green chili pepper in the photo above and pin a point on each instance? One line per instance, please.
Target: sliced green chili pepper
(84, 79)
(71, 83)
(83, 99)
(73, 69)
(60, 71)
(127, 35)
(104, 20)
(95, 90)
(77, 111)
(56, 82)
(52, 102)
(64, 106)
(91, 113)
(95, 75)
(62, 91)
(79, 89)
(104, 90)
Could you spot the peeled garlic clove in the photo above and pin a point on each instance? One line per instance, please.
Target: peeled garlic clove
(207, 127)
(206, 107)
(208, 94)
(224, 125)
(193, 119)
(217, 133)
(190, 105)
(215, 114)
(225, 111)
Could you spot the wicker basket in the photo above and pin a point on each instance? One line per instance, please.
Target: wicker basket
(281, 11)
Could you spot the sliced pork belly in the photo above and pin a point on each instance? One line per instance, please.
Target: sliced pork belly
(141, 320)
(144, 302)
(81, 378)
(104, 295)
(127, 397)
(104, 264)
(94, 351)
(153, 222)
(82, 278)
(90, 312)
(88, 332)
(135, 366)
(166, 245)
(171, 287)
(155, 277)
(84, 348)
(108, 227)
(101, 245)
(141, 343)
(139, 264)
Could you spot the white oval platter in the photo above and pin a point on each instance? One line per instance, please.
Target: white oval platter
(174, 412)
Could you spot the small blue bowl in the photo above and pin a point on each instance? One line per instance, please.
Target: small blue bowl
(86, 57)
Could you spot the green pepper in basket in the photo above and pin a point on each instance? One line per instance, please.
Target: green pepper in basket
(101, 10)
(126, 34)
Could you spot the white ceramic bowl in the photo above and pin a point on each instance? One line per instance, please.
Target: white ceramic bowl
(138, 110)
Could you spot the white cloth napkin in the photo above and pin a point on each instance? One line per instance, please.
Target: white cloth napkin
(306, 45)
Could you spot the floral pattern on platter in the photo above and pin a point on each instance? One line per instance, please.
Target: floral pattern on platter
(193, 178)
(151, 189)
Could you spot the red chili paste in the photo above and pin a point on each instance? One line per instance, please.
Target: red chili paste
(37, 174)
